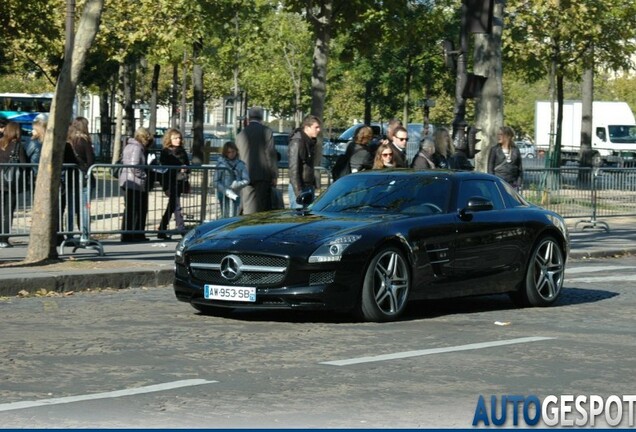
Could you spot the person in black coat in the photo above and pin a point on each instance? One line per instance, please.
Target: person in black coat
(504, 159)
(400, 138)
(175, 181)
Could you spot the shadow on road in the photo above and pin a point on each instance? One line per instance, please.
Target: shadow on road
(421, 309)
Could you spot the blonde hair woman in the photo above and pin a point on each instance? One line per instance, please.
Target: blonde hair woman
(133, 182)
(443, 148)
(383, 157)
(33, 149)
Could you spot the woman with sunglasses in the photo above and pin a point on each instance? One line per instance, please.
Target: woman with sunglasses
(383, 157)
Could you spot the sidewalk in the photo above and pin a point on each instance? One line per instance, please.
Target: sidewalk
(150, 264)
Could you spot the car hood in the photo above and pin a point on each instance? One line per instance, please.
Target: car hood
(283, 231)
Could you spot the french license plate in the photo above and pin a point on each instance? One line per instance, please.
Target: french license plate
(217, 292)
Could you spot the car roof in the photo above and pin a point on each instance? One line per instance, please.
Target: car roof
(429, 173)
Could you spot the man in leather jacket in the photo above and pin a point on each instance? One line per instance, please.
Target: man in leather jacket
(302, 153)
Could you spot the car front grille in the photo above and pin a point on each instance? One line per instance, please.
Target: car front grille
(255, 271)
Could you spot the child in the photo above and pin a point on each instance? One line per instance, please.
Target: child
(230, 177)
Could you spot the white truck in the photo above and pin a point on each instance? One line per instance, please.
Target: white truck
(613, 131)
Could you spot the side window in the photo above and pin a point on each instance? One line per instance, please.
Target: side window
(481, 188)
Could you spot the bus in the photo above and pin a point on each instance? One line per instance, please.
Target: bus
(23, 108)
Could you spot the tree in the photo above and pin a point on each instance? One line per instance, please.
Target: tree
(553, 37)
(489, 107)
(42, 241)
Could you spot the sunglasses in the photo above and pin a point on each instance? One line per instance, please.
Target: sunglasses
(387, 154)
(401, 139)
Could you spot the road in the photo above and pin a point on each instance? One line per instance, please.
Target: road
(138, 358)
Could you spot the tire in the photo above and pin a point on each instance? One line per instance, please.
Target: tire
(544, 275)
(386, 285)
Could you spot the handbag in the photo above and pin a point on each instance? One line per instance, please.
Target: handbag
(11, 174)
(184, 187)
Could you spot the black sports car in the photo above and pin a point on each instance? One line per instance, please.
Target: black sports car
(375, 240)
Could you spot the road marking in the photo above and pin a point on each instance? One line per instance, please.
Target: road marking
(593, 279)
(418, 353)
(593, 269)
(112, 394)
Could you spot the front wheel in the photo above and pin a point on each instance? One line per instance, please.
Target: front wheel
(386, 286)
(544, 275)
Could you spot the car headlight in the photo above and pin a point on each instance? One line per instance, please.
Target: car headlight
(182, 244)
(333, 249)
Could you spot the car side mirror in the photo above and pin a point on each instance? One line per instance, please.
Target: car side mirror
(475, 204)
(304, 199)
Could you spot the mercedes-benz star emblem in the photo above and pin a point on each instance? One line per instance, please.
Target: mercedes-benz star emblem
(231, 267)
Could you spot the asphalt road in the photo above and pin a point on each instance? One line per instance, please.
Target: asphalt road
(138, 358)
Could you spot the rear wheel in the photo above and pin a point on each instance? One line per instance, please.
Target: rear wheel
(386, 286)
(544, 275)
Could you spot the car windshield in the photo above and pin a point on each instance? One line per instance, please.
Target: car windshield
(622, 134)
(387, 194)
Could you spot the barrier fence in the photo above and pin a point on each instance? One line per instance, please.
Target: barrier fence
(92, 211)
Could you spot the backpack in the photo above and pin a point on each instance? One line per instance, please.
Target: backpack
(341, 168)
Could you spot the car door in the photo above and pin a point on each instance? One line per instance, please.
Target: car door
(489, 244)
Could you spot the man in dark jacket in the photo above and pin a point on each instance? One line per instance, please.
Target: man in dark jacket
(302, 152)
(400, 137)
(256, 148)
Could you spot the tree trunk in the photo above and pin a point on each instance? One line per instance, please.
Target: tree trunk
(587, 98)
(322, 32)
(105, 134)
(489, 108)
(183, 110)
(154, 90)
(197, 104)
(119, 115)
(42, 241)
(407, 92)
(174, 96)
(559, 120)
(129, 97)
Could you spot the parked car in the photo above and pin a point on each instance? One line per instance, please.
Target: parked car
(379, 132)
(375, 240)
(281, 142)
(527, 149)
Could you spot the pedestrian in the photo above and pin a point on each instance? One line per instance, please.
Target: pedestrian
(33, 149)
(175, 181)
(301, 157)
(11, 152)
(504, 159)
(78, 151)
(383, 157)
(398, 145)
(443, 148)
(424, 158)
(132, 181)
(230, 176)
(390, 130)
(361, 158)
(255, 144)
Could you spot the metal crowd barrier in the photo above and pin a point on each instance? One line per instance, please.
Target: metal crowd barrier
(587, 193)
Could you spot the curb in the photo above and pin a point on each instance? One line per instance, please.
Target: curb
(610, 253)
(10, 287)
